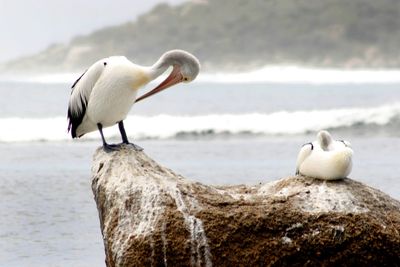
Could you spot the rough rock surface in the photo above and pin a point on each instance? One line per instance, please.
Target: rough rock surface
(151, 216)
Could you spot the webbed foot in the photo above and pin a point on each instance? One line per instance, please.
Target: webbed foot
(111, 147)
(135, 147)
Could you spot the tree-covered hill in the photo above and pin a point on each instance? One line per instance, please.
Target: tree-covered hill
(237, 34)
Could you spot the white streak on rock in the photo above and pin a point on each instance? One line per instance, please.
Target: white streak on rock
(315, 198)
(315, 232)
(198, 238)
(164, 241)
(143, 221)
(294, 226)
(153, 253)
(286, 240)
(149, 209)
(324, 198)
(234, 194)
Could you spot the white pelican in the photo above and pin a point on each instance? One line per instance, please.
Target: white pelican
(325, 158)
(103, 95)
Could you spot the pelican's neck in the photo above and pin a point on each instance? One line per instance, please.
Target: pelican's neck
(159, 68)
(324, 139)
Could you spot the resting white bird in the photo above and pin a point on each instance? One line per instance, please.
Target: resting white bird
(325, 158)
(103, 95)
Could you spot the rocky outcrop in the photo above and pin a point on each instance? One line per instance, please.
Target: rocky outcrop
(151, 216)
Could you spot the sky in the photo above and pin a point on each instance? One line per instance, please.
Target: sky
(29, 26)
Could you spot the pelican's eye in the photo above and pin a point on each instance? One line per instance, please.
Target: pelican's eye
(185, 79)
(105, 64)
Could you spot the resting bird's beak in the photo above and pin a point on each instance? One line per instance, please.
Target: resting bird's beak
(174, 78)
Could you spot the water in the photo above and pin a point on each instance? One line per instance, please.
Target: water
(216, 133)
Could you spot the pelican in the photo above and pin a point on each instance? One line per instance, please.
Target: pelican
(103, 95)
(325, 158)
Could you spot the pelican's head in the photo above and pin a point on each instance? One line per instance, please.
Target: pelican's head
(324, 138)
(185, 65)
(185, 68)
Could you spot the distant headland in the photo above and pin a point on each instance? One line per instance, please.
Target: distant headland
(231, 35)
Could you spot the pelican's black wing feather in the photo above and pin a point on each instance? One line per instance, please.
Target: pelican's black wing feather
(75, 117)
(73, 86)
(80, 94)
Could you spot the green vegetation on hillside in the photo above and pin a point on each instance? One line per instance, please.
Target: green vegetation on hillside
(235, 34)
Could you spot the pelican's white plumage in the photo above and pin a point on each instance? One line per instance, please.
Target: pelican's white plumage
(104, 94)
(325, 158)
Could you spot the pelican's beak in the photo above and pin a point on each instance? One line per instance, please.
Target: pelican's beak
(174, 78)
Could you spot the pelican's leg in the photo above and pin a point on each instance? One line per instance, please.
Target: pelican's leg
(106, 147)
(123, 133)
(125, 137)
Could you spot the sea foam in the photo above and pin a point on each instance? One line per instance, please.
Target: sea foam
(170, 126)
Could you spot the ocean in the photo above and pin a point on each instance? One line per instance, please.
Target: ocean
(217, 130)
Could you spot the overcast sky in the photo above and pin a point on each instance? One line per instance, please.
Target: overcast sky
(28, 26)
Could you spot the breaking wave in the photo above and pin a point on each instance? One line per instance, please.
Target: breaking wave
(170, 126)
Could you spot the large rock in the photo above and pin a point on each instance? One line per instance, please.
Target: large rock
(151, 216)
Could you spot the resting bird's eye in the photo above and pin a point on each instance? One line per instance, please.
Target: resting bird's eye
(105, 63)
